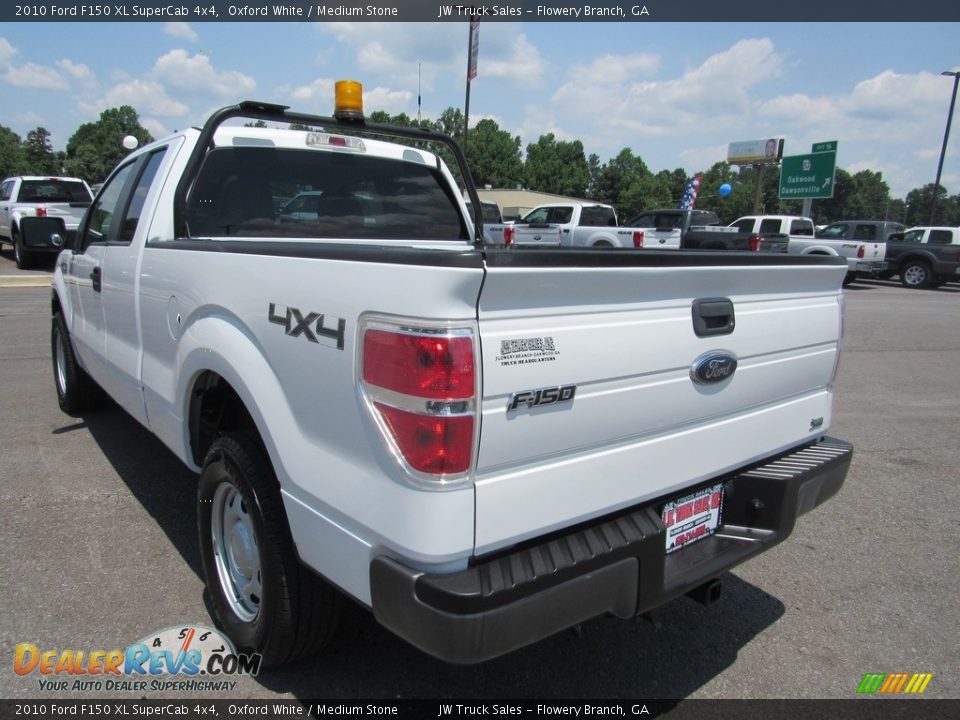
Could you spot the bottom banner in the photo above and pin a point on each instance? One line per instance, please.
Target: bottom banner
(857, 709)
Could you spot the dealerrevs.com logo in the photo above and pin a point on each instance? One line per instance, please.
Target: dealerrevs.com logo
(190, 658)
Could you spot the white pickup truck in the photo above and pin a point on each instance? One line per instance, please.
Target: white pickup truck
(483, 445)
(863, 257)
(59, 198)
(575, 224)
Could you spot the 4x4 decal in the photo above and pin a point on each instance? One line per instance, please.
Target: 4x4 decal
(311, 325)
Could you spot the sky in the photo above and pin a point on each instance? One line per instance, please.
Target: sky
(676, 94)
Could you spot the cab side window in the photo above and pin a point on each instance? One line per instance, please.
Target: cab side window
(6, 190)
(104, 211)
(134, 209)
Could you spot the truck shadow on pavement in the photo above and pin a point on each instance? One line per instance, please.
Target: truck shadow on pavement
(607, 658)
(162, 484)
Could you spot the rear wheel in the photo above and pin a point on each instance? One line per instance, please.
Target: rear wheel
(603, 244)
(916, 274)
(76, 391)
(264, 600)
(22, 256)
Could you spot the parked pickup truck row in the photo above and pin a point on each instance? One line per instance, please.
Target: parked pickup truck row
(701, 230)
(482, 445)
(595, 225)
(863, 257)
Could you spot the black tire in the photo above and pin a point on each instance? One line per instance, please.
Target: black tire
(264, 599)
(76, 391)
(916, 274)
(603, 244)
(849, 278)
(24, 258)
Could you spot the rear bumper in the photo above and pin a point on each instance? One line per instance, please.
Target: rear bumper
(871, 267)
(616, 565)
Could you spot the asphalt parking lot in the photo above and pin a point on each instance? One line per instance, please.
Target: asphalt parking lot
(97, 527)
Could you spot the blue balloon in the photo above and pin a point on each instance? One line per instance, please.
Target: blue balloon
(725, 189)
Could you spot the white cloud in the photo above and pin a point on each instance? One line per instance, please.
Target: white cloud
(7, 51)
(392, 101)
(155, 127)
(30, 118)
(35, 76)
(180, 30)
(180, 70)
(78, 71)
(29, 75)
(317, 94)
(616, 100)
(146, 96)
(519, 62)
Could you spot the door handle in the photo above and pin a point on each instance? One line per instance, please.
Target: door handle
(95, 276)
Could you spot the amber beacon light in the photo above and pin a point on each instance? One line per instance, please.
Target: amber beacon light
(348, 100)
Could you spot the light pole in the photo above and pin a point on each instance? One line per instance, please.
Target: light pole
(946, 135)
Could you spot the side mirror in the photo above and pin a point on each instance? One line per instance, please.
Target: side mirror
(43, 232)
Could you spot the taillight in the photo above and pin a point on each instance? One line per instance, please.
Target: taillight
(508, 233)
(638, 239)
(41, 212)
(755, 242)
(861, 251)
(421, 384)
(434, 367)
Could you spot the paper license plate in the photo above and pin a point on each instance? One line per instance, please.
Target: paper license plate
(692, 517)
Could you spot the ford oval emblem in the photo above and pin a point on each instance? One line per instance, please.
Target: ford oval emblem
(713, 367)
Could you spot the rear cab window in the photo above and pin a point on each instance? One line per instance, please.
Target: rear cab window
(282, 192)
(597, 216)
(53, 190)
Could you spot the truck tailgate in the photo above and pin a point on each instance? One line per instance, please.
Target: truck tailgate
(609, 338)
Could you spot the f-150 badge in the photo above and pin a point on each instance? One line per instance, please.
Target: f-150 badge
(713, 367)
(543, 396)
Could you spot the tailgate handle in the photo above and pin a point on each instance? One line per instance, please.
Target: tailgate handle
(713, 316)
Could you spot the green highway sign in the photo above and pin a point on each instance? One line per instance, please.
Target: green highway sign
(829, 146)
(807, 176)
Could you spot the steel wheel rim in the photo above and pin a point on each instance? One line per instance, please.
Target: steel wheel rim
(236, 551)
(16, 252)
(61, 360)
(915, 275)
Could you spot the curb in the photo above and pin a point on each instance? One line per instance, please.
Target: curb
(7, 281)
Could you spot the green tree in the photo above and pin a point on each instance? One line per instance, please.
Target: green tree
(451, 123)
(557, 166)
(11, 153)
(616, 176)
(919, 201)
(593, 169)
(38, 153)
(494, 156)
(96, 148)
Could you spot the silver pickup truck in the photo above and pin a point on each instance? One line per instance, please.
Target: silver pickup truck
(482, 445)
(61, 199)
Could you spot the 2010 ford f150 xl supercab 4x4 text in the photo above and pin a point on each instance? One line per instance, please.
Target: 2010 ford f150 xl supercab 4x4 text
(481, 444)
